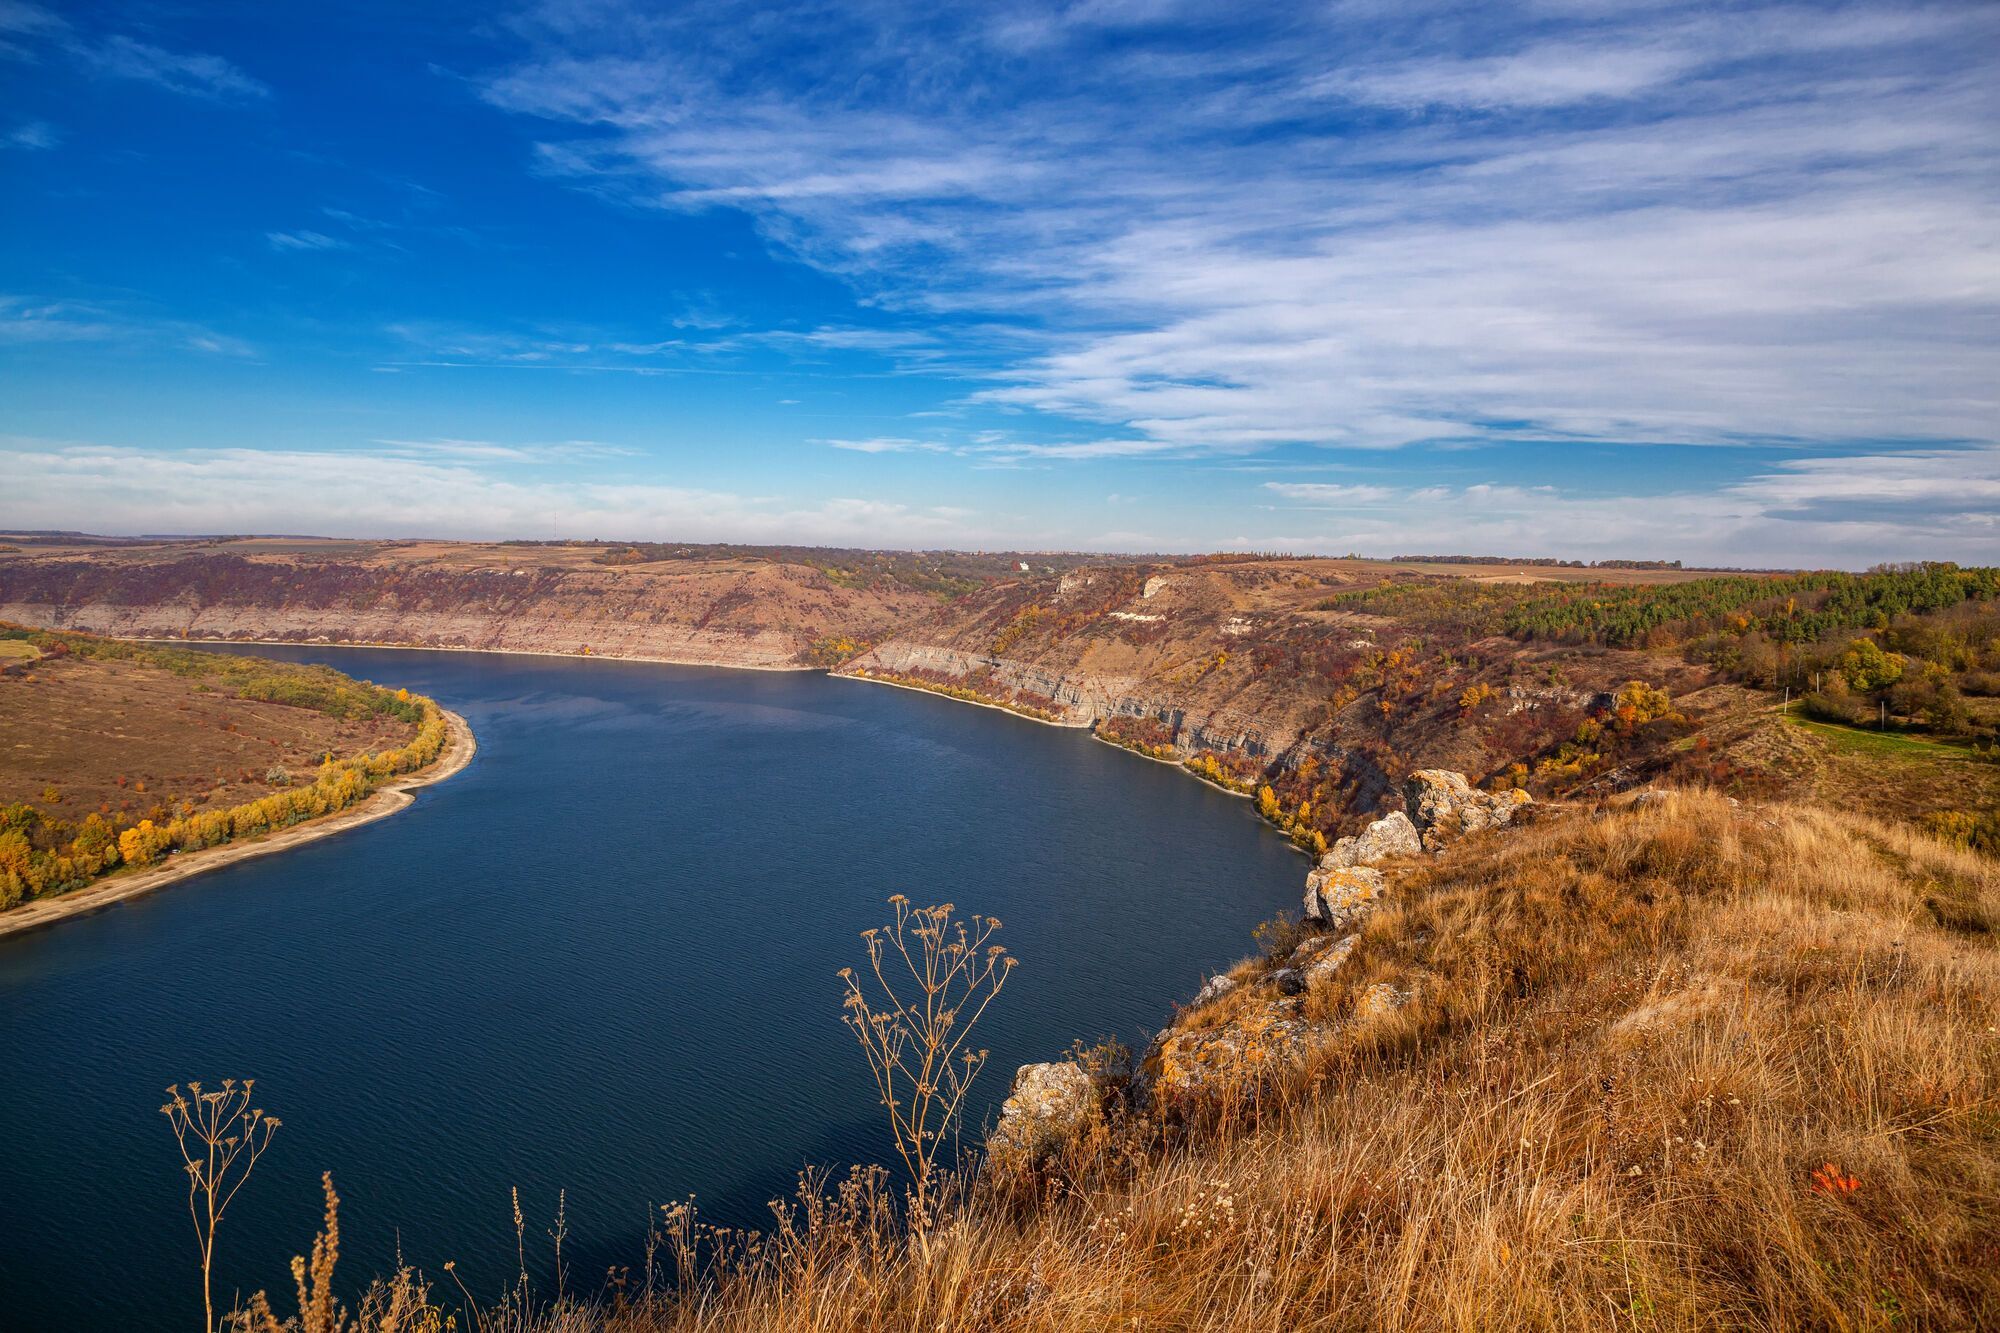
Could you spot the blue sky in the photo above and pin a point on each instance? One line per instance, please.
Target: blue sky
(1710, 282)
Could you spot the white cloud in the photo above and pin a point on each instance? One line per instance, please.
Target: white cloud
(1929, 503)
(378, 493)
(885, 445)
(1326, 493)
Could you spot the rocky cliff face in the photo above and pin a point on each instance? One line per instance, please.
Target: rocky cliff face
(1243, 1025)
(745, 614)
(1252, 664)
(1253, 668)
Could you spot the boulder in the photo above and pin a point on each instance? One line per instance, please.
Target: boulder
(1214, 988)
(1325, 962)
(1289, 980)
(1392, 835)
(1342, 896)
(1257, 1041)
(1049, 1103)
(1443, 805)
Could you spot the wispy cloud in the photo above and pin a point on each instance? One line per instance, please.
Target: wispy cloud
(305, 240)
(34, 135)
(21, 24)
(26, 320)
(193, 73)
(886, 445)
(388, 491)
(1938, 503)
(1218, 230)
(489, 451)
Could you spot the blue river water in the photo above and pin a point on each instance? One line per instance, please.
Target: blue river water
(601, 960)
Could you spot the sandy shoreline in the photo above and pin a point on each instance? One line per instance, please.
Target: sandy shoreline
(460, 746)
(975, 703)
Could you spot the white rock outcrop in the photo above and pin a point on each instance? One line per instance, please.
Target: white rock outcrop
(1214, 988)
(1340, 896)
(1443, 805)
(1391, 835)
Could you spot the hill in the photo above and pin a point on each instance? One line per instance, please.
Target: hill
(1676, 1014)
(724, 606)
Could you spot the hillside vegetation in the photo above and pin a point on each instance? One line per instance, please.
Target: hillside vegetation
(1316, 684)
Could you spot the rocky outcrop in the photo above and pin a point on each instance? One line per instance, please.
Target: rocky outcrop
(1266, 1026)
(1443, 806)
(1081, 698)
(1337, 897)
(1048, 1104)
(1392, 835)
(1213, 989)
(1258, 1039)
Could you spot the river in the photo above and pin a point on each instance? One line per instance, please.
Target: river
(601, 960)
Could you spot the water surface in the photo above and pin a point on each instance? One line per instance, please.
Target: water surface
(602, 958)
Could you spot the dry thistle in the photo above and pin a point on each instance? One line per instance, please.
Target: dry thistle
(916, 1039)
(221, 1136)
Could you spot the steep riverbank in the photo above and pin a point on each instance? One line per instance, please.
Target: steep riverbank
(460, 746)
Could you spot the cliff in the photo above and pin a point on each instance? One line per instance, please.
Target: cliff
(1245, 662)
(731, 612)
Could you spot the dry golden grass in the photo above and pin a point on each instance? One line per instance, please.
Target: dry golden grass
(1671, 1066)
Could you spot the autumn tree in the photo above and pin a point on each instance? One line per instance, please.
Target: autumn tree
(1868, 669)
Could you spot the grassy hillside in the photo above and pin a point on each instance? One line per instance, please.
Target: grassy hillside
(1680, 1064)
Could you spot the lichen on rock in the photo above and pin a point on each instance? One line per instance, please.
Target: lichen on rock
(1340, 897)
(1391, 835)
(1049, 1104)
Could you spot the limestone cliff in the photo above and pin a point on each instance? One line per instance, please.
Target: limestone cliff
(437, 595)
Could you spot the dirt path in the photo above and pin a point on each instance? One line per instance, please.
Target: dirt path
(459, 748)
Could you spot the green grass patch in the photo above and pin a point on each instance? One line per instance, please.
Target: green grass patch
(1888, 744)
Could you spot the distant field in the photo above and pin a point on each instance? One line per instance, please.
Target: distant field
(13, 650)
(79, 726)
